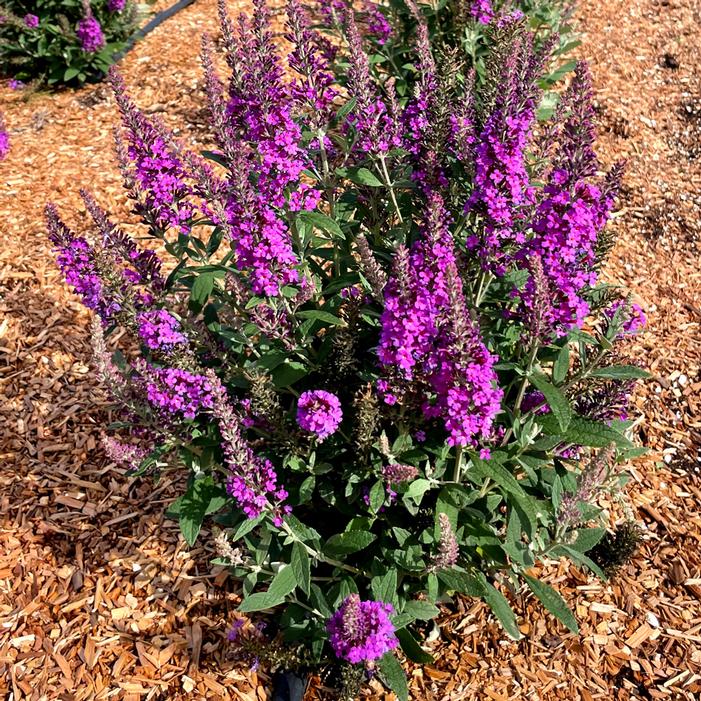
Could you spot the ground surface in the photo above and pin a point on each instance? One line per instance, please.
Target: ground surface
(99, 598)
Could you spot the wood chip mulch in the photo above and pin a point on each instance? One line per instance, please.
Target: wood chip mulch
(99, 596)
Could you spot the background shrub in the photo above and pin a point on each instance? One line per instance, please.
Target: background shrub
(63, 41)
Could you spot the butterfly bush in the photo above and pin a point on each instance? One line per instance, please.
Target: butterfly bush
(63, 43)
(382, 352)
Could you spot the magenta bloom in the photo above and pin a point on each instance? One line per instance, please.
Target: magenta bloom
(482, 11)
(89, 32)
(319, 412)
(177, 391)
(159, 329)
(116, 5)
(31, 21)
(361, 631)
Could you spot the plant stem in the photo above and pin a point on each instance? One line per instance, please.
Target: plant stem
(390, 187)
(457, 468)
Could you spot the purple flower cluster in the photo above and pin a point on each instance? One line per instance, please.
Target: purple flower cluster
(31, 21)
(430, 341)
(319, 412)
(160, 330)
(361, 631)
(252, 480)
(158, 171)
(15, 84)
(116, 5)
(482, 11)
(89, 33)
(176, 391)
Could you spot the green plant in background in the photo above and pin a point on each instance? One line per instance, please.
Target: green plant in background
(382, 352)
(63, 42)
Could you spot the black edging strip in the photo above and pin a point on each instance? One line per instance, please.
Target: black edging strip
(151, 25)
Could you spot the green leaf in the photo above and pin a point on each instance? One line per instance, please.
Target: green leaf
(70, 73)
(580, 559)
(561, 365)
(463, 582)
(322, 221)
(411, 647)
(421, 610)
(495, 471)
(384, 587)
(393, 676)
(194, 505)
(348, 543)
(299, 562)
(594, 434)
(587, 538)
(319, 315)
(557, 401)
(620, 372)
(284, 583)
(246, 527)
(377, 496)
(362, 176)
(201, 288)
(417, 489)
(553, 602)
(288, 373)
(502, 610)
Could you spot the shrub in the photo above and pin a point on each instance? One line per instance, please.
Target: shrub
(374, 334)
(63, 42)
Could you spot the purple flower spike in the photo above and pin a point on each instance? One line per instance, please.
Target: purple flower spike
(361, 631)
(319, 412)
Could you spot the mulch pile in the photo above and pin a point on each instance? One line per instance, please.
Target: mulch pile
(99, 596)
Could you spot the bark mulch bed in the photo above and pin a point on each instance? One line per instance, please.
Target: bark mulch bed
(100, 598)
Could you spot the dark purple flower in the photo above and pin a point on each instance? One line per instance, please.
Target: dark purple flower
(116, 5)
(89, 33)
(31, 21)
(361, 631)
(15, 84)
(319, 412)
